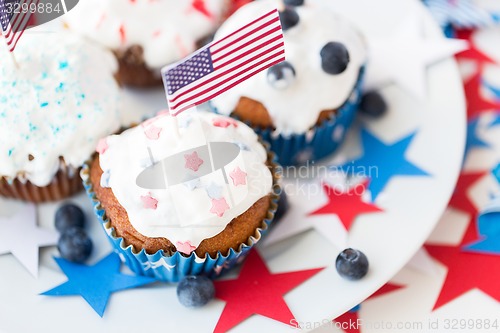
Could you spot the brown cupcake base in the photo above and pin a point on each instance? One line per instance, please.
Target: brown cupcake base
(64, 185)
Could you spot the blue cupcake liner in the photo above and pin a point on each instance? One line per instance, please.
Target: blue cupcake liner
(318, 142)
(172, 268)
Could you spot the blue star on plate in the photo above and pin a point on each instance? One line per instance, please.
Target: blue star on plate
(388, 160)
(495, 122)
(488, 225)
(473, 140)
(96, 283)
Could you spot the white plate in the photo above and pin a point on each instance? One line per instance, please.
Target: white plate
(412, 206)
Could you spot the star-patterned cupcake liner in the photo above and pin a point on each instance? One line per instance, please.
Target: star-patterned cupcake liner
(172, 268)
(318, 142)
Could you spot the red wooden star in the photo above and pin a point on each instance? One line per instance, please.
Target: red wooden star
(349, 320)
(466, 270)
(460, 199)
(346, 205)
(257, 291)
(476, 102)
(473, 53)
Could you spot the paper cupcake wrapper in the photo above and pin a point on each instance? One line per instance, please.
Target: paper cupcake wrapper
(64, 184)
(318, 142)
(172, 268)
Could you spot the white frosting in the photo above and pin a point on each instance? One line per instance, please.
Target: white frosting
(183, 211)
(296, 108)
(58, 103)
(166, 29)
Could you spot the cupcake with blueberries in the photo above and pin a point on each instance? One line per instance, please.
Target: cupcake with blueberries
(305, 105)
(55, 104)
(191, 201)
(146, 35)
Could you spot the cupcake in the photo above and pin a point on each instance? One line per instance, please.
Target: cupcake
(304, 105)
(54, 106)
(146, 35)
(186, 202)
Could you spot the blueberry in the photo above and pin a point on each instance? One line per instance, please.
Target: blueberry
(294, 2)
(373, 104)
(75, 245)
(69, 216)
(282, 207)
(195, 291)
(334, 58)
(280, 76)
(289, 18)
(351, 264)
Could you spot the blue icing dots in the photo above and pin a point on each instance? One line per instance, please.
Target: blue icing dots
(10, 152)
(63, 64)
(44, 104)
(44, 75)
(60, 88)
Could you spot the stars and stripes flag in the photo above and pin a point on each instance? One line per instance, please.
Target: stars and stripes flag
(224, 63)
(14, 17)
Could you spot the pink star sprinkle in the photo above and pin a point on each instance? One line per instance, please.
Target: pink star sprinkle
(193, 162)
(185, 247)
(219, 207)
(102, 146)
(149, 202)
(224, 122)
(239, 177)
(152, 132)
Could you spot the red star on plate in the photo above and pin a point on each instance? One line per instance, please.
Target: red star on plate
(460, 199)
(476, 103)
(466, 270)
(349, 320)
(473, 53)
(346, 205)
(257, 291)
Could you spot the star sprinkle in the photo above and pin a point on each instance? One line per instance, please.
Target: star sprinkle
(239, 177)
(346, 205)
(214, 191)
(149, 202)
(193, 162)
(466, 271)
(393, 164)
(473, 140)
(152, 132)
(201, 7)
(193, 184)
(219, 207)
(102, 146)
(185, 247)
(96, 283)
(20, 236)
(224, 122)
(461, 199)
(404, 56)
(488, 225)
(257, 291)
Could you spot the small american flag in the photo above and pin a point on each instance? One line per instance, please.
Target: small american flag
(14, 17)
(225, 63)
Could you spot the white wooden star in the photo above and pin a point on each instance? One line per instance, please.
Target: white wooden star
(20, 235)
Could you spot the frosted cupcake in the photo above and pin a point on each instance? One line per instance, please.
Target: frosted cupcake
(173, 205)
(53, 109)
(146, 35)
(303, 106)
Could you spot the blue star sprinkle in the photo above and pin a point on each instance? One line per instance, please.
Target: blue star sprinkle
(214, 191)
(96, 283)
(381, 162)
(473, 140)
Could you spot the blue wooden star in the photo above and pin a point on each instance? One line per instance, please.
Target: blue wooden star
(96, 283)
(382, 161)
(473, 140)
